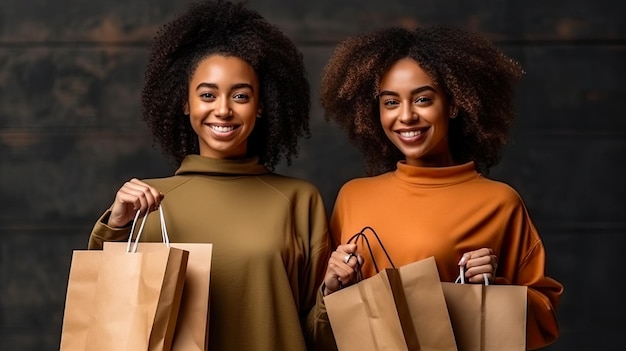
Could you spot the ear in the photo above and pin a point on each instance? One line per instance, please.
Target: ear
(186, 108)
(454, 111)
(259, 113)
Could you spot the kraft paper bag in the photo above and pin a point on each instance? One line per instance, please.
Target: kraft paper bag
(364, 316)
(427, 305)
(192, 327)
(369, 321)
(487, 317)
(80, 297)
(123, 301)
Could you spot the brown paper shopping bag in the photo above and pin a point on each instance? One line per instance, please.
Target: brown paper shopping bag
(192, 326)
(364, 316)
(427, 305)
(487, 317)
(192, 329)
(137, 300)
(81, 294)
(397, 309)
(133, 303)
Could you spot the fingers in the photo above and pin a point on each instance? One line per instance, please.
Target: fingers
(134, 195)
(346, 254)
(479, 262)
(141, 195)
(341, 271)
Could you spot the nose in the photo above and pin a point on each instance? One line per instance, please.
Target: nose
(408, 115)
(223, 110)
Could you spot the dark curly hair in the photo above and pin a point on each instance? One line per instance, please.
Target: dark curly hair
(476, 77)
(229, 29)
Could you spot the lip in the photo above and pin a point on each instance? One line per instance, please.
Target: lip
(421, 134)
(222, 135)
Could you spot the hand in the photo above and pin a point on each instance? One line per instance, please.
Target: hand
(341, 272)
(133, 195)
(477, 263)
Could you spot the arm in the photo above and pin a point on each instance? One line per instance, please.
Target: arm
(318, 331)
(312, 224)
(522, 262)
(102, 232)
(544, 294)
(114, 224)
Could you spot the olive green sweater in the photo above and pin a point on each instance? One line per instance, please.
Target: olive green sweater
(270, 247)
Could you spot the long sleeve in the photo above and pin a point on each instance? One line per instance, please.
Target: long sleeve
(523, 263)
(101, 232)
(315, 323)
(316, 228)
(319, 333)
(420, 212)
(544, 294)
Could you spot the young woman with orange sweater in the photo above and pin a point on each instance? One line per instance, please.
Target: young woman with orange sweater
(430, 109)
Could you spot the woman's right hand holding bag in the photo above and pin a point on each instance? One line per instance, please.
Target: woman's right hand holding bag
(342, 268)
(132, 196)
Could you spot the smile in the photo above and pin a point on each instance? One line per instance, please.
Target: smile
(222, 129)
(410, 133)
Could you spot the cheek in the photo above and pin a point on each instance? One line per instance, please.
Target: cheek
(385, 121)
(198, 108)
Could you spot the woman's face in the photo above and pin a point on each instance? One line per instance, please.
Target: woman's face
(223, 105)
(414, 114)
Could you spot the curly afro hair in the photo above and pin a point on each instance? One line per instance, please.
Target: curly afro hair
(229, 29)
(476, 77)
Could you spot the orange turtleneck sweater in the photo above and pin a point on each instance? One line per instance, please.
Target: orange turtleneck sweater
(420, 212)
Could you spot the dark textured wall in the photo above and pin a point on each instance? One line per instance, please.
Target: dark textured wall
(70, 135)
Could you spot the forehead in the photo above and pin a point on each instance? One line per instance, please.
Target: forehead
(224, 68)
(405, 72)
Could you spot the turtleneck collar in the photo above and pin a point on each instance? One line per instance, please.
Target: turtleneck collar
(435, 176)
(196, 164)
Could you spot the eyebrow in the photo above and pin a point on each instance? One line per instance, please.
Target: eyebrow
(233, 87)
(413, 92)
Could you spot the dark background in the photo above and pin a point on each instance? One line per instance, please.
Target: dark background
(70, 134)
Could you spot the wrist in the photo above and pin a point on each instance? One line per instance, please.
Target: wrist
(326, 291)
(112, 223)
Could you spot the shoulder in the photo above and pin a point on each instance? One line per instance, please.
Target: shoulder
(366, 182)
(167, 184)
(288, 183)
(498, 191)
(364, 185)
(294, 189)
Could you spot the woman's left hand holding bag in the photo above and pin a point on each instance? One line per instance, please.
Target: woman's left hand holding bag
(479, 264)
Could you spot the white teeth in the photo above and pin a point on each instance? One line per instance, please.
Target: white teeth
(221, 129)
(410, 134)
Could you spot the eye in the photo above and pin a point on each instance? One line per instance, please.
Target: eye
(390, 102)
(241, 97)
(422, 100)
(207, 96)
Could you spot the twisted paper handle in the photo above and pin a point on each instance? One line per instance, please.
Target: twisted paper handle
(164, 236)
(461, 277)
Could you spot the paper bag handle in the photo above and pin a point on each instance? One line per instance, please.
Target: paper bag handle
(461, 278)
(164, 235)
(369, 247)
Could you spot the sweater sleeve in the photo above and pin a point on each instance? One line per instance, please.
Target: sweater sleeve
(523, 259)
(319, 333)
(544, 294)
(318, 329)
(312, 279)
(101, 232)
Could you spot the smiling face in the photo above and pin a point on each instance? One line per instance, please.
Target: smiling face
(223, 105)
(414, 114)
